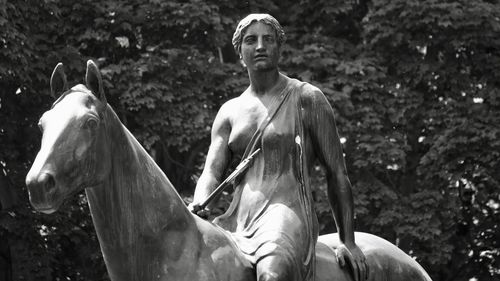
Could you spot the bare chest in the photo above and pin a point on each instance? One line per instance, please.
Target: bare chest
(245, 120)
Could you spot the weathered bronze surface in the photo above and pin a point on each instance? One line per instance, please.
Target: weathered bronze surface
(145, 231)
(271, 216)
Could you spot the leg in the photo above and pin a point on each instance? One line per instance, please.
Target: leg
(283, 247)
(275, 268)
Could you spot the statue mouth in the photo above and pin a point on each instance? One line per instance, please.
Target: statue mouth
(43, 205)
(44, 209)
(44, 201)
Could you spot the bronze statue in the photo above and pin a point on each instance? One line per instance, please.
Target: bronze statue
(145, 231)
(272, 216)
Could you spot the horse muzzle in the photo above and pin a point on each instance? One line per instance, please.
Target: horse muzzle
(42, 189)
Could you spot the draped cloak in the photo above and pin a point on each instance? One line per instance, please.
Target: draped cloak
(272, 210)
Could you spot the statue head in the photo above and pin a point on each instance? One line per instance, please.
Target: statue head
(248, 20)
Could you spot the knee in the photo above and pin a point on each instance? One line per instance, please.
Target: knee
(275, 271)
(273, 276)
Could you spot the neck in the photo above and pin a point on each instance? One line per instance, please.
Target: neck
(262, 82)
(137, 213)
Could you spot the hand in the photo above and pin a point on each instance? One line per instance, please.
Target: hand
(355, 258)
(197, 210)
(194, 207)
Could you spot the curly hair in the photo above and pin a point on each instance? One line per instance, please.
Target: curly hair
(248, 20)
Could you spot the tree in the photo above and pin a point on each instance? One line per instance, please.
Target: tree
(413, 86)
(441, 56)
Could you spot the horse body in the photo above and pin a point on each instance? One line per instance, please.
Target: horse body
(145, 231)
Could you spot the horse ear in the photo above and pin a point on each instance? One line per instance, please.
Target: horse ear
(58, 83)
(94, 81)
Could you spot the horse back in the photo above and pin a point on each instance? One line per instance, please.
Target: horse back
(385, 260)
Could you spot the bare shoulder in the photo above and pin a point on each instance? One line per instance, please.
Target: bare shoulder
(231, 107)
(235, 106)
(230, 111)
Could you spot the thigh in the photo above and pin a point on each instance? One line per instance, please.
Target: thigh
(276, 268)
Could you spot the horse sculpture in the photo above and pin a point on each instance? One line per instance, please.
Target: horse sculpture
(144, 228)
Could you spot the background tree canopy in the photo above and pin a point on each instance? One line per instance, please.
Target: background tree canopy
(415, 86)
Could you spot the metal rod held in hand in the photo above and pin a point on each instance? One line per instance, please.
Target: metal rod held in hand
(238, 171)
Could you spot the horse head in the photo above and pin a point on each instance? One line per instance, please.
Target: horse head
(73, 150)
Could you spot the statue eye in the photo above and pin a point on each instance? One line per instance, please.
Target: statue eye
(91, 123)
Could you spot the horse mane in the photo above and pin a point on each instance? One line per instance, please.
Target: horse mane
(116, 131)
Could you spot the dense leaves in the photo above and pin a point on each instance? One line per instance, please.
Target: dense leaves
(415, 88)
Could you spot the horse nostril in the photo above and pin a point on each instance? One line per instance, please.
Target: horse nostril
(47, 180)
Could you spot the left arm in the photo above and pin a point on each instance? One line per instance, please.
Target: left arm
(319, 123)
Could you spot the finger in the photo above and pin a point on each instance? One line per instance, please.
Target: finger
(202, 214)
(195, 210)
(365, 266)
(353, 266)
(361, 268)
(340, 259)
(365, 270)
(361, 272)
(355, 270)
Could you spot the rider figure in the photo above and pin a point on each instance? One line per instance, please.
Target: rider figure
(272, 216)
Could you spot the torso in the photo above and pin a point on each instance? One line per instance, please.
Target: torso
(247, 112)
(272, 203)
(277, 178)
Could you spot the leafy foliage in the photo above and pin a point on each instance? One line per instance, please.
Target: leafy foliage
(414, 86)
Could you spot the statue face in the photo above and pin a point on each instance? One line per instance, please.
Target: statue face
(259, 47)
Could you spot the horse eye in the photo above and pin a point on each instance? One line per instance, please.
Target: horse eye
(91, 123)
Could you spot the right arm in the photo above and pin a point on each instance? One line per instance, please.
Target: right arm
(218, 157)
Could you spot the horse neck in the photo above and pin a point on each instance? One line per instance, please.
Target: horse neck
(136, 200)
